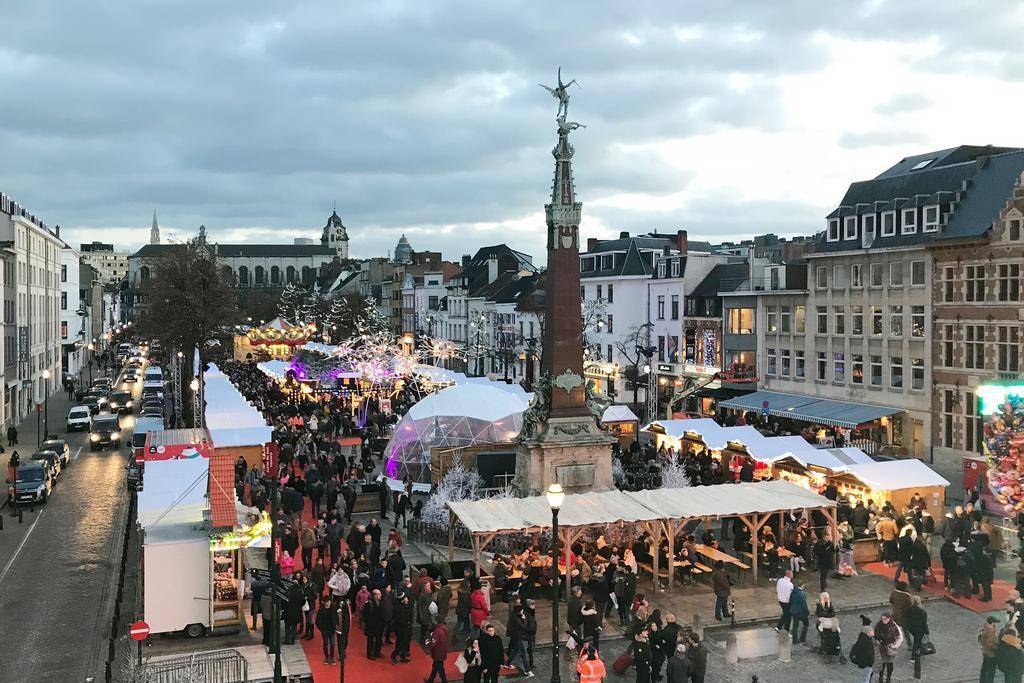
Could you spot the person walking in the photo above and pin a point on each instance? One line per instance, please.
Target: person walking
(293, 613)
(916, 623)
(443, 599)
(642, 656)
(988, 641)
(439, 640)
(342, 627)
(800, 613)
(783, 589)
(698, 658)
(825, 553)
(589, 666)
(862, 654)
(516, 632)
(678, 669)
(900, 601)
(404, 613)
(373, 623)
(721, 584)
(1008, 656)
(984, 573)
(473, 662)
(625, 590)
(889, 637)
(307, 539)
(478, 610)
(492, 653)
(12, 436)
(326, 622)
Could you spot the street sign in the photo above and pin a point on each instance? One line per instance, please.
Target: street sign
(139, 630)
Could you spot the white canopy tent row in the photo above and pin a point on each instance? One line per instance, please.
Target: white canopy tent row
(661, 512)
(231, 419)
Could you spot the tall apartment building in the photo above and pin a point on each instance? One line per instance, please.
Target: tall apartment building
(978, 303)
(34, 254)
(111, 264)
(75, 332)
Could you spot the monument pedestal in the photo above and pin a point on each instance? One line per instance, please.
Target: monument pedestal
(572, 451)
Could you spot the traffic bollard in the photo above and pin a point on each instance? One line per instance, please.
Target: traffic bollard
(21, 512)
(1, 522)
(698, 627)
(732, 649)
(732, 612)
(785, 643)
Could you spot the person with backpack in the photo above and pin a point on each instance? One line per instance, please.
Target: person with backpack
(862, 654)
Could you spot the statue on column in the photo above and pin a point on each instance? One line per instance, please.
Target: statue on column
(561, 93)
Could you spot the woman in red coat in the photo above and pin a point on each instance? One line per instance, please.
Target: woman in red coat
(478, 611)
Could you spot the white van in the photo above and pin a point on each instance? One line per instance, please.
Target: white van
(154, 374)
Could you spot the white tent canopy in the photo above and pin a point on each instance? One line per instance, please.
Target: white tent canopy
(231, 419)
(893, 475)
(478, 401)
(175, 492)
(740, 499)
(617, 413)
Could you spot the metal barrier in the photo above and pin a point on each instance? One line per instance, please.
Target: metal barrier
(225, 666)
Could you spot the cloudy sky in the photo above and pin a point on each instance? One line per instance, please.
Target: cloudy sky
(727, 119)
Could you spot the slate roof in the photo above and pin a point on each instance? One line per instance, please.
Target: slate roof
(970, 183)
(475, 274)
(711, 285)
(508, 288)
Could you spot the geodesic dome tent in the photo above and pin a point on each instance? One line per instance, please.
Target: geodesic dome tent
(464, 415)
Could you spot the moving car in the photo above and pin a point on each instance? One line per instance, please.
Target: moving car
(120, 402)
(152, 412)
(33, 485)
(93, 403)
(154, 374)
(105, 431)
(102, 383)
(130, 376)
(153, 388)
(52, 461)
(79, 417)
(143, 426)
(60, 447)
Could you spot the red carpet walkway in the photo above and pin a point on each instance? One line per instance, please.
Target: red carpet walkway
(1000, 589)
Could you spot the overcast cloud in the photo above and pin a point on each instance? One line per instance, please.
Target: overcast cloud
(727, 119)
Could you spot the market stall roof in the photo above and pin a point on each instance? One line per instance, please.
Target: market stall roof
(175, 492)
(585, 509)
(222, 490)
(893, 475)
(275, 369)
(478, 401)
(810, 408)
(714, 435)
(619, 414)
(230, 417)
(772, 448)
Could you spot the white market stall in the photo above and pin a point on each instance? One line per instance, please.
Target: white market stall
(236, 426)
(622, 423)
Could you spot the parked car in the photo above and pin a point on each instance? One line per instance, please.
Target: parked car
(152, 412)
(33, 484)
(120, 402)
(52, 461)
(105, 431)
(60, 447)
(134, 476)
(103, 383)
(79, 417)
(93, 403)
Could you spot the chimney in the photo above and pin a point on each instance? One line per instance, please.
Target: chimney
(682, 243)
(623, 235)
(492, 269)
(466, 258)
(591, 243)
(56, 230)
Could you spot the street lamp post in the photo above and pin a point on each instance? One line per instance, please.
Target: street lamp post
(92, 347)
(46, 404)
(555, 497)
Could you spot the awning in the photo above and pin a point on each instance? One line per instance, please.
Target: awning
(810, 408)
(719, 393)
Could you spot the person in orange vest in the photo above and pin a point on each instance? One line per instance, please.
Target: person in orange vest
(590, 667)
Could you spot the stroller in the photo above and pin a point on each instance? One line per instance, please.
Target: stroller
(831, 648)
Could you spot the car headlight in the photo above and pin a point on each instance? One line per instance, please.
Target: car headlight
(115, 435)
(94, 437)
(113, 405)
(128, 404)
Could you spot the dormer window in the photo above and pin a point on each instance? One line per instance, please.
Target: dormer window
(868, 230)
(675, 267)
(607, 262)
(922, 164)
(833, 230)
(888, 224)
(850, 232)
(661, 269)
(931, 218)
(909, 221)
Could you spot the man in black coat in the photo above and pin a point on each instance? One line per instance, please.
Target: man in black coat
(492, 654)
(403, 618)
(574, 609)
(373, 621)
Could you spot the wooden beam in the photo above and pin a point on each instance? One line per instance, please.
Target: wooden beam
(451, 536)
(670, 534)
(476, 555)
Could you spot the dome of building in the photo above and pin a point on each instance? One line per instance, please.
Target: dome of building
(403, 251)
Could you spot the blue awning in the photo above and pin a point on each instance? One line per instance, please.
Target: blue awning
(810, 408)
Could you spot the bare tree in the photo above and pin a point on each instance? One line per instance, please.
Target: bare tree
(629, 348)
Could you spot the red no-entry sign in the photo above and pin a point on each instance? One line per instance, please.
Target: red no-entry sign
(139, 630)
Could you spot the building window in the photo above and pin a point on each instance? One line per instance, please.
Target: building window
(839, 277)
(896, 274)
(838, 320)
(973, 429)
(850, 229)
(888, 224)
(822, 365)
(948, 279)
(675, 267)
(1009, 282)
(675, 307)
(772, 369)
(800, 365)
(773, 320)
(611, 292)
(947, 418)
(917, 321)
(875, 274)
(1014, 230)
(896, 321)
(868, 230)
(917, 273)
(855, 276)
(583, 292)
(917, 374)
(822, 320)
(974, 347)
(661, 307)
(63, 273)
(800, 320)
(974, 282)
(275, 275)
(661, 349)
(876, 320)
(1008, 342)
(63, 301)
(63, 329)
(876, 371)
(931, 219)
(857, 371)
(838, 367)
(821, 277)
(599, 292)
(857, 315)
(833, 230)
(947, 346)
(661, 269)
(610, 353)
(786, 363)
(896, 372)
(909, 221)
(740, 321)
(611, 324)
(784, 319)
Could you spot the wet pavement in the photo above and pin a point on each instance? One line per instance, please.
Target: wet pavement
(60, 565)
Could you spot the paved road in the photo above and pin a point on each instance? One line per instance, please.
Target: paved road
(59, 567)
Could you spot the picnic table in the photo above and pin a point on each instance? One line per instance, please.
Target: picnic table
(715, 554)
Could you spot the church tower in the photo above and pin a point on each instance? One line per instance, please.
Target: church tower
(154, 232)
(335, 235)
